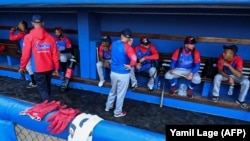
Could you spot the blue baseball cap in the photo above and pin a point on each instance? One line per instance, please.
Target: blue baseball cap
(127, 33)
(37, 19)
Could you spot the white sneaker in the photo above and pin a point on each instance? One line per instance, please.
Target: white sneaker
(100, 84)
(31, 85)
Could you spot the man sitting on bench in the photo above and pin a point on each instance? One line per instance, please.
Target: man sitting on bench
(147, 60)
(230, 68)
(104, 54)
(186, 63)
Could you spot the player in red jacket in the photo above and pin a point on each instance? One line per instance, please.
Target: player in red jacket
(19, 36)
(40, 46)
(147, 60)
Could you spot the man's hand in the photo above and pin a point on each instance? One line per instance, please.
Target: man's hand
(21, 71)
(55, 73)
(13, 29)
(190, 76)
(138, 66)
(225, 64)
(172, 72)
(130, 42)
(106, 64)
(127, 67)
(142, 59)
(231, 81)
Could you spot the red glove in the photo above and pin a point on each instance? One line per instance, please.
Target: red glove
(40, 110)
(61, 119)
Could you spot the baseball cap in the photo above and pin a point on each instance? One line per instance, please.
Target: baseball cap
(190, 40)
(145, 41)
(106, 39)
(37, 19)
(234, 48)
(126, 33)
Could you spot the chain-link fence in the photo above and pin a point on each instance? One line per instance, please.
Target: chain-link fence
(24, 134)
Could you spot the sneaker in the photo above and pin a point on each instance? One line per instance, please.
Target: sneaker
(150, 89)
(215, 98)
(100, 84)
(190, 93)
(173, 90)
(122, 114)
(243, 105)
(107, 110)
(31, 85)
(134, 86)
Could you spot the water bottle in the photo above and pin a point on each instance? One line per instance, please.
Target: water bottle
(231, 89)
(159, 85)
(182, 91)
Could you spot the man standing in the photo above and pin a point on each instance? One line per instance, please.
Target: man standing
(19, 36)
(104, 53)
(123, 58)
(230, 67)
(64, 46)
(185, 61)
(40, 46)
(147, 60)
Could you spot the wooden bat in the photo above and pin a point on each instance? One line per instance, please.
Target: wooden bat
(182, 75)
(162, 93)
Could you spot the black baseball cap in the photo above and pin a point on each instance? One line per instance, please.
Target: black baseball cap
(234, 48)
(126, 33)
(145, 41)
(106, 39)
(190, 40)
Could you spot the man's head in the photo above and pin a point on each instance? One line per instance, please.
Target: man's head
(126, 35)
(22, 25)
(37, 21)
(58, 32)
(189, 42)
(144, 42)
(229, 52)
(106, 41)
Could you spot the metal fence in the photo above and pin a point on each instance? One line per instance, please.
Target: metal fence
(24, 134)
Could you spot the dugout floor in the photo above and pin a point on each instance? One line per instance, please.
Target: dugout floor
(140, 114)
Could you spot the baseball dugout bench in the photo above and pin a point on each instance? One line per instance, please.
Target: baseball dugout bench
(207, 70)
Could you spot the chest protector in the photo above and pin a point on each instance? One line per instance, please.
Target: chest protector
(146, 64)
(106, 54)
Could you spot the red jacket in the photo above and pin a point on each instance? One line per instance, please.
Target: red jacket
(41, 47)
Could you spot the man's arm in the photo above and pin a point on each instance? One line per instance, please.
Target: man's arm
(130, 52)
(154, 53)
(68, 48)
(16, 37)
(197, 60)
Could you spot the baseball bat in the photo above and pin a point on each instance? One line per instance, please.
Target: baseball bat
(182, 75)
(97, 54)
(162, 93)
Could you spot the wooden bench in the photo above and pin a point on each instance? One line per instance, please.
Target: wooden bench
(10, 48)
(165, 60)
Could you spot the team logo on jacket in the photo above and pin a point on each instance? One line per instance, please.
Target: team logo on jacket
(39, 45)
